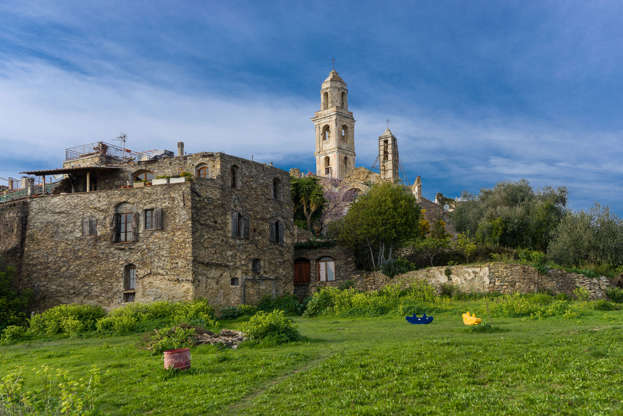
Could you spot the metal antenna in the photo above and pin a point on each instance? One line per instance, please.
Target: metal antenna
(123, 138)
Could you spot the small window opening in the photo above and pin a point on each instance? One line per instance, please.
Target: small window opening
(327, 165)
(129, 283)
(326, 130)
(256, 266)
(344, 100)
(149, 219)
(143, 176)
(325, 101)
(344, 133)
(276, 188)
(385, 150)
(235, 180)
(326, 269)
(277, 232)
(202, 171)
(234, 281)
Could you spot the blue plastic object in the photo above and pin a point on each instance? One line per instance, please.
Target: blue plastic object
(421, 320)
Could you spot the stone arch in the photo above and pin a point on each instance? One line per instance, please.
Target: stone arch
(143, 175)
(202, 171)
(326, 133)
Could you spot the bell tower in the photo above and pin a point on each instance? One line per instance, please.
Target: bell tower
(335, 130)
(388, 156)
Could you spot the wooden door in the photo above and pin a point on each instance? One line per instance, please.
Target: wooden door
(302, 272)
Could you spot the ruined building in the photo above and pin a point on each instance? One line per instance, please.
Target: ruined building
(124, 227)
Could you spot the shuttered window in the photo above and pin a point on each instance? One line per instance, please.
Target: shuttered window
(125, 227)
(89, 226)
(240, 226)
(277, 232)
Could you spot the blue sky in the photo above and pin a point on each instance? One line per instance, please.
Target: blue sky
(476, 92)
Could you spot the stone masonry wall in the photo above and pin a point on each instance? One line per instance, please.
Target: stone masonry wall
(13, 222)
(219, 258)
(492, 277)
(63, 266)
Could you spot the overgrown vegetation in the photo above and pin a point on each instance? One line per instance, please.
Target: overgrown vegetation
(14, 304)
(308, 199)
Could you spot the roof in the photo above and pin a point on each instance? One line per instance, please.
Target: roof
(70, 170)
(333, 76)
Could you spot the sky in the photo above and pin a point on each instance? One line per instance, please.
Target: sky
(477, 92)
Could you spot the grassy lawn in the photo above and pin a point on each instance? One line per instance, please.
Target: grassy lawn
(371, 366)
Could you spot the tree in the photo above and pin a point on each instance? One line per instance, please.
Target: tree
(466, 245)
(308, 199)
(380, 221)
(432, 247)
(511, 215)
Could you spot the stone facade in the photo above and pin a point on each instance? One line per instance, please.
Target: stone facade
(344, 268)
(212, 237)
(493, 278)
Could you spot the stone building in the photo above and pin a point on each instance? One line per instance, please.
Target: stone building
(124, 227)
(388, 157)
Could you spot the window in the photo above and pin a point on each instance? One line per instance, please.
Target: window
(385, 150)
(125, 229)
(325, 100)
(202, 171)
(326, 130)
(326, 269)
(234, 281)
(235, 180)
(89, 226)
(344, 133)
(149, 219)
(129, 283)
(239, 226)
(143, 176)
(256, 266)
(344, 100)
(276, 188)
(327, 165)
(276, 232)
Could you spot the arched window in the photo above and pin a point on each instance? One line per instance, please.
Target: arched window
(326, 269)
(202, 171)
(276, 188)
(277, 232)
(327, 165)
(345, 164)
(325, 101)
(129, 283)
(143, 176)
(326, 131)
(344, 133)
(256, 266)
(235, 176)
(344, 104)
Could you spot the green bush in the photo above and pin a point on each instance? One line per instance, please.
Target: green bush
(581, 293)
(615, 294)
(146, 316)
(604, 305)
(13, 333)
(287, 303)
(14, 304)
(320, 302)
(165, 339)
(66, 319)
(270, 328)
(233, 312)
(346, 284)
(398, 266)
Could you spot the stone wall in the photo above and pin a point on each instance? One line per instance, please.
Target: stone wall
(223, 265)
(492, 277)
(13, 222)
(344, 267)
(64, 266)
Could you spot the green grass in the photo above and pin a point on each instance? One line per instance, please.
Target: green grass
(362, 366)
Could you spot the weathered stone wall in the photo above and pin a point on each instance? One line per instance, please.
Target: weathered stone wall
(63, 266)
(344, 267)
(219, 258)
(492, 277)
(13, 222)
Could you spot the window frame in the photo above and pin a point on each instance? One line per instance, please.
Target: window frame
(129, 283)
(202, 171)
(126, 231)
(149, 224)
(326, 269)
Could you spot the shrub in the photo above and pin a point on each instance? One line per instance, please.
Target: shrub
(287, 303)
(581, 293)
(66, 319)
(346, 284)
(604, 305)
(270, 328)
(13, 303)
(398, 266)
(615, 294)
(233, 312)
(13, 333)
(118, 324)
(171, 338)
(321, 302)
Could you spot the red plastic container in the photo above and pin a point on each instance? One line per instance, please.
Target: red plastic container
(178, 359)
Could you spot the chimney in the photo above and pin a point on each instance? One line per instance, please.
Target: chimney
(180, 148)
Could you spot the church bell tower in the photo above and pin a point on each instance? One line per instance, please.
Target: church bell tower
(335, 130)
(388, 156)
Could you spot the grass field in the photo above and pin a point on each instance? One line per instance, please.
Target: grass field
(371, 366)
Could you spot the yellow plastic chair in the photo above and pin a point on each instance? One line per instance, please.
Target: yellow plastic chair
(469, 319)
